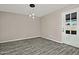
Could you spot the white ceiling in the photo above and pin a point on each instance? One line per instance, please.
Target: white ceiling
(40, 9)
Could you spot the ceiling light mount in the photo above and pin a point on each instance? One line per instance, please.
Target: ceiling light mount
(32, 5)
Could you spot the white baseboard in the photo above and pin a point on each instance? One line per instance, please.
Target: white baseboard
(19, 39)
(30, 38)
(52, 40)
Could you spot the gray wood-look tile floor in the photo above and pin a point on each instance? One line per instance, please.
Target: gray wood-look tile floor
(37, 46)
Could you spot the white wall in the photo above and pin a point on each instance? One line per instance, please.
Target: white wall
(51, 25)
(15, 27)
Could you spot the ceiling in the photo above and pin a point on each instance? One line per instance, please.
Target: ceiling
(39, 10)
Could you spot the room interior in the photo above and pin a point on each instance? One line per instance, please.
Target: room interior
(39, 29)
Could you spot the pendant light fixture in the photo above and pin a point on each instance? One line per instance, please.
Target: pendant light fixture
(32, 6)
